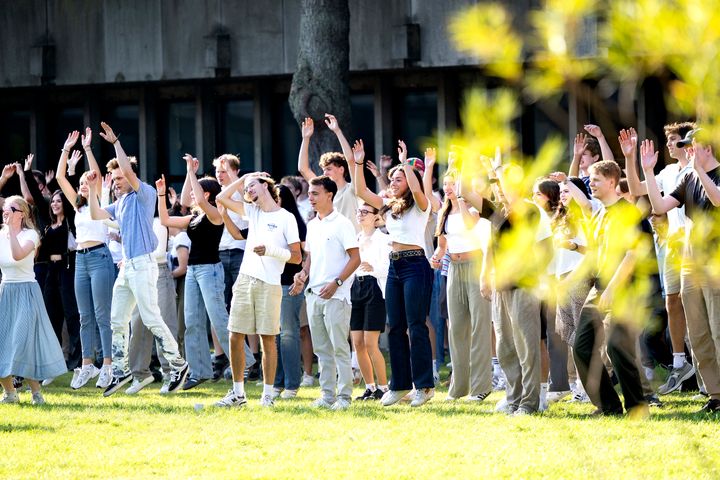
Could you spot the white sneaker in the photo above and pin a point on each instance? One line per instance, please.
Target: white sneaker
(478, 398)
(543, 404)
(391, 397)
(499, 382)
(307, 380)
(276, 392)
(47, 382)
(85, 374)
(340, 404)
(232, 400)
(138, 385)
(422, 396)
(580, 396)
(76, 374)
(105, 377)
(322, 403)
(10, 397)
(286, 394)
(37, 398)
(165, 389)
(267, 401)
(504, 407)
(553, 397)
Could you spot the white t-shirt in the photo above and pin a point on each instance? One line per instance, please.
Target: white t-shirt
(279, 229)
(461, 239)
(346, 203)
(544, 231)
(667, 181)
(410, 227)
(14, 271)
(327, 241)
(375, 250)
(227, 242)
(304, 208)
(87, 229)
(161, 232)
(568, 260)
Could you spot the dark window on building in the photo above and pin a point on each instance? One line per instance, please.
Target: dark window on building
(124, 120)
(177, 137)
(235, 131)
(286, 139)
(363, 127)
(15, 135)
(416, 121)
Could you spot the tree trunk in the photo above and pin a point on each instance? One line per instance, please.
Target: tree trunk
(320, 83)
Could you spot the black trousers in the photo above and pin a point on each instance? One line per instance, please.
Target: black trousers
(61, 305)
(621, 344)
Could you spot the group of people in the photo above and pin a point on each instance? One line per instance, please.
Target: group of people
(545, 289)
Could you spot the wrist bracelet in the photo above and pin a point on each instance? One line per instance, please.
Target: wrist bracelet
(161, 195)
(361, 163)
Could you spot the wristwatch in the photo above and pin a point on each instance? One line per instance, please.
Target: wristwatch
(338, 282)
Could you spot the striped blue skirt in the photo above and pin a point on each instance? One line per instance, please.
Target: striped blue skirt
(28, 345)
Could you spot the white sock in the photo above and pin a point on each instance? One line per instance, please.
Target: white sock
(354, 361)
(383, 388)
(543, 388)
(497, 371)
(371, 386)
(89, 366)
(678, 360)
(239, 388)
(649, 373)
(267, 389)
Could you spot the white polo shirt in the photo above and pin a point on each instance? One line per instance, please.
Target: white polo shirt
(327, 241)
(227, 242)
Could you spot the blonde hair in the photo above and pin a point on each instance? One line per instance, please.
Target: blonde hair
(28, 221)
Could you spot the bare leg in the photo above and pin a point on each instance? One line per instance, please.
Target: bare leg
(7, 384)
(269, 358)
(372, 345)
(216, 343)
(676, 322)
(237, 356)
(358, 340)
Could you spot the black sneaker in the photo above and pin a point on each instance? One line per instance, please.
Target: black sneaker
(193, 382)
(177, 377)
(712, 406)
(654, 401)
(254, 372)
(17, 382)
(377, 394)
(220, 363)
(116, 383)
(367, 395)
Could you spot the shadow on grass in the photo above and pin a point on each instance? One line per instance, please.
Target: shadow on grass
(24, 427)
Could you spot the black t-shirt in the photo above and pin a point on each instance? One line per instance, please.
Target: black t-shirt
(205, 237)
(692, 194)
(286, 278)
(54, 241)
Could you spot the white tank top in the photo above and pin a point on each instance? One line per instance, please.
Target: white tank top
(87, 229)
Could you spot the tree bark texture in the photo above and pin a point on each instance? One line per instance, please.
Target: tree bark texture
(320, 83)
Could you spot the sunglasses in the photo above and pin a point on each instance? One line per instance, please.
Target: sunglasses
(362, 213)
(14, 210)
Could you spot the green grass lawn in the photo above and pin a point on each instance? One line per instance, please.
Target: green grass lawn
(83, 435)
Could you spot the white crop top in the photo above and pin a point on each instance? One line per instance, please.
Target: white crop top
(13, 270)
(461, 239)
(410, 227)
(87, 229)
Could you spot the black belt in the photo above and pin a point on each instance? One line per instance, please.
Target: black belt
(407, 253)
(89, 249)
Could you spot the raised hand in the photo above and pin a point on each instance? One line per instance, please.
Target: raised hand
(29, 161)
(497, 160)
(402, 152)
(107, 181)
(108, 133)
(49, 175)
(702, 156)
(92, 178)
(580, 144)
(332, 123)
(594, 130)
(160, 185)
(8, 171)
(385, 161)
(308, 128)
(628, 142)
(71, 140)
(359, 151)
(430, 158)
(172, 196)
(373, 168)
(73, 160)
(87, 138)
(192, 164)
(648, 155)
(18, 169)
(559, 177)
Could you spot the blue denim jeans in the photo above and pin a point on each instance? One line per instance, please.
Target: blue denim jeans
(94, 278)
(204, 292)
(289, 371)
(407, 294)
(231, 260)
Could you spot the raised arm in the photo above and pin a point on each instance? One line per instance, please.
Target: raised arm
(87, 148)
(231, 227)
(578, 149)
(307, 129)
(96, 211)
(413, 184)
(596, 132)
(7, 172)
(185, 198)
(348, 152)
(210, 210)
(165, 219)
(648, 157)
(120, 156)
(382, 180)
(704, 156)
(61, 173)
(225, 197)
(29, 195)
(430, 157)
(628, 145)
(361, 189)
